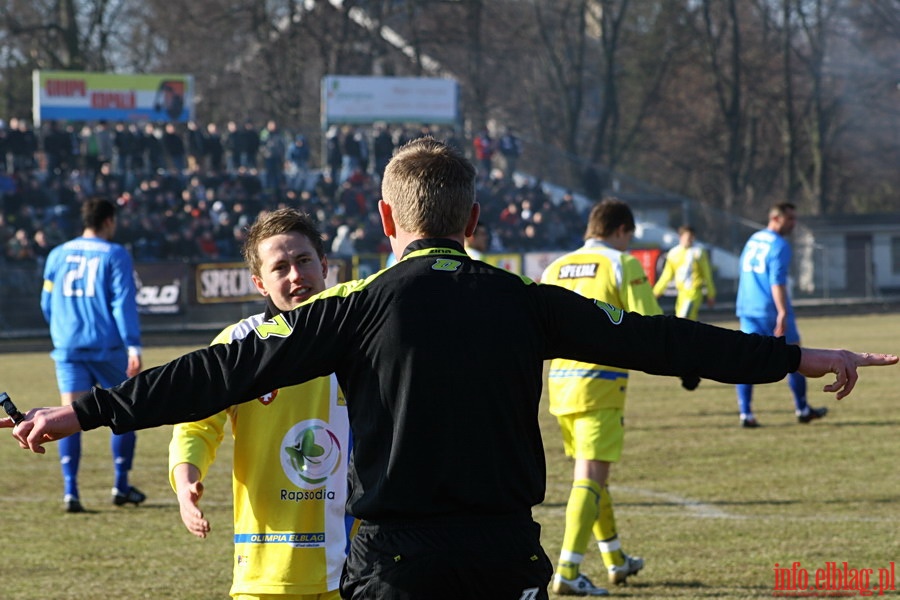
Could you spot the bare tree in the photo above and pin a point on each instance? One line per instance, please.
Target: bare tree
(821, 113)
(722, 37)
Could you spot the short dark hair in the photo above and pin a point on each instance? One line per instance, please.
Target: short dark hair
(95, 211)
(608, 215)
(781, 208)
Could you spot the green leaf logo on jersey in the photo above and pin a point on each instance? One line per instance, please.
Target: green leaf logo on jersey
(311, 453)
(614, 313)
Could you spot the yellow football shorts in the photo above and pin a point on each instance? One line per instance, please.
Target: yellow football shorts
(594, 435)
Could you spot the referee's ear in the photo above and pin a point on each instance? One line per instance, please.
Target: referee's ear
(472, 223)
(387, 218)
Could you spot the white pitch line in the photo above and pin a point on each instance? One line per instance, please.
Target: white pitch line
(704, 510)
(701, 510)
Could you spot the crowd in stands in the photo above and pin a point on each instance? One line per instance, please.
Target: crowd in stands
(187, 192)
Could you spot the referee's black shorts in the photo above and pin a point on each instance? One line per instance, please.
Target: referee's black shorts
(494, 558)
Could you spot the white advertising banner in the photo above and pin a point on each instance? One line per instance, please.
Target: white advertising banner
(355, 99)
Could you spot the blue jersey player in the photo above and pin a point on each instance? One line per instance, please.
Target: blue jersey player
(764, 304)
(89, 302)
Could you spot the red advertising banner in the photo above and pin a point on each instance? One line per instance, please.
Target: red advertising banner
(649, 258)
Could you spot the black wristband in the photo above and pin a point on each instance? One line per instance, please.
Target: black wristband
(10, 408)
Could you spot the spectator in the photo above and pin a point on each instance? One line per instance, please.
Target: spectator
(206, 245)
(153, 146)
(273, 152)
(137, 159)
(104, 141)
(234, 146)
(123, 147)
(90, 152)
(352, 152)
(484, 153)
(334, 154)
(214, 147)
(21, 145)
(343, 243)
(20, 247)
(298, 157)
(173, 146)
(58, 150)
(453, 140)
(41, 246)
(510, 147)
(479, 242)
(248, 146)
(196, 147)
(4, 147)
(382, 149)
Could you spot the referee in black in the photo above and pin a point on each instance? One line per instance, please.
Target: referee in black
(447, 460)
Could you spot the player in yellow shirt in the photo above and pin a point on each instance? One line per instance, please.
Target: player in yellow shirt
(588, 400)
(688, 265)
(290, 446)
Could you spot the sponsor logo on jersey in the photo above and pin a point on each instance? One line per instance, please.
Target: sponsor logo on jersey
(310, 454)
(266, 399)
(313, 539)
(577, 271)
(446, 264)
(638, 281)
(614, 313)
(295, 496)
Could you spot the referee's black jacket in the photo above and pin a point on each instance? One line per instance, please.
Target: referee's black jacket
(440, 357)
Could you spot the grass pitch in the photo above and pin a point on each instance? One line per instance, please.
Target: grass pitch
(711, 507)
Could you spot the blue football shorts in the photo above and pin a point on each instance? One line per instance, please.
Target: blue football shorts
(82, 375)
(766, 326)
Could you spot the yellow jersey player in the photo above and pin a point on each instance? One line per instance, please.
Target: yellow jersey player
(688, 265)
(291, 446)
(588, 400)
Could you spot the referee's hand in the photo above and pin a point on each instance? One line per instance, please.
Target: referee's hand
(690, 382)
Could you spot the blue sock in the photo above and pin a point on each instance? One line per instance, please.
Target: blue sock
(797, 382)
(745, 396)
(69, 457)
(123, 453)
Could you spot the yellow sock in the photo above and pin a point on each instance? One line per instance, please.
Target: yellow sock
(581, 513)
(606, 533)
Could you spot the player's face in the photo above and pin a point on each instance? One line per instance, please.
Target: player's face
(787, 222)
(290, 269)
